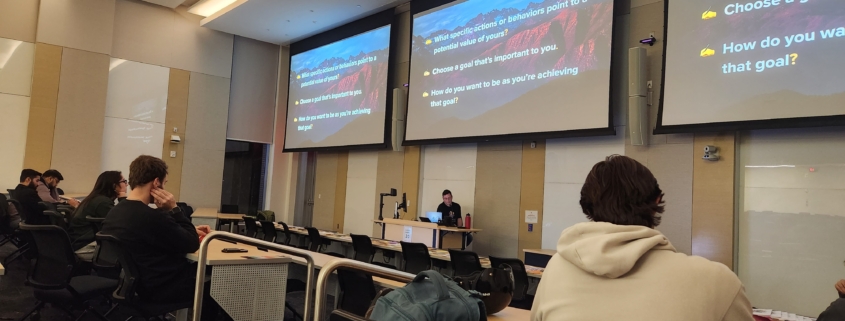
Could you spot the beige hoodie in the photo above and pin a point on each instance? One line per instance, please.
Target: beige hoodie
(613, 272)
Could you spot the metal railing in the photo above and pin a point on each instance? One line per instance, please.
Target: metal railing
(202, 259)
(374, 270)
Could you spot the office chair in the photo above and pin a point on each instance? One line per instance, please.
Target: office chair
(520, 299)
(20, 239)
(96, 223)
(269, 231)
(365, 251)
(51, 276)
(251, 227)
(287, 232)
(55, 217)
(416, 257)
(125, 292)
(464, 262)
(317, 243)
(357, 291)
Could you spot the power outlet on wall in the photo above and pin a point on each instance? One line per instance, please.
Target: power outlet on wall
(172, 154)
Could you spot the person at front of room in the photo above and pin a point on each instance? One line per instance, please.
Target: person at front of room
(158, 239)
(618, 267)
(26, 194)
(110, 186)
(452, 212)
(47, 188)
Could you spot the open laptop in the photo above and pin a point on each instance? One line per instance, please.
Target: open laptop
(433, 216)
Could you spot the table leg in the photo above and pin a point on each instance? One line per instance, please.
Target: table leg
(232, 226)
(463, 241)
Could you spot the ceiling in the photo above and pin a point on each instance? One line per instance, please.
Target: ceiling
(286, 21)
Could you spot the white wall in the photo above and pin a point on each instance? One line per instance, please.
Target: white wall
(568, 161)
(136, 106)
(16, 59)
(360, 186)
(792, 217)
(449, 167)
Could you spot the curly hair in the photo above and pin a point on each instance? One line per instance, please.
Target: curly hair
(620, 190)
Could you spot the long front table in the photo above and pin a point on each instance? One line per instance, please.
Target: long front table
(216, 255)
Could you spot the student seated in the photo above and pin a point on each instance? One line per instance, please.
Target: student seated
(836, 310)
(110, 186)
(47, 188)
(618, 267)
(25, 194)
(158, 239)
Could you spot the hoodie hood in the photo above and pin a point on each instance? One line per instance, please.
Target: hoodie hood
(609, 250)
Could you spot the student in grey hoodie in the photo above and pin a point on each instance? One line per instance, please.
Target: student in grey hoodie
(618, 267)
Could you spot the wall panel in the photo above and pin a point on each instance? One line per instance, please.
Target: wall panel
(179, 82)
(449, 167)
(713, 200)
(361, 180)
(42, 111)
(205, 140)
(16, 60)
(80, 24)
(15, 111)
(18, 19)
(497, 196)
(81, 107)
(390, 174)
(325, 187)
(252, 105)
(531, 195)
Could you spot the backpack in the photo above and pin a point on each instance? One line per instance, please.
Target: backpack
(429, 297)
(268, 216)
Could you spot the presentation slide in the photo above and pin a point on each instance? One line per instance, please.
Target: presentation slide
(497, 67)
(337, 93)
(729, 61)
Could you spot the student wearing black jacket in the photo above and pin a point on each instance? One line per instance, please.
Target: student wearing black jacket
(836, 310)
(26, 194)
(158, 238)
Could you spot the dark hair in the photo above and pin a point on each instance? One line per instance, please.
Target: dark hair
(53, 173)
(145, 169)
(447, 192)
(29, 173)
(622, 191)
(105, 186)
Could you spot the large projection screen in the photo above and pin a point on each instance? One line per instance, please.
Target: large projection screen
(487, 69)
(733, 65)
(339, 91)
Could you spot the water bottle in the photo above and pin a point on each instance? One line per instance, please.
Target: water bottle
(468, 221)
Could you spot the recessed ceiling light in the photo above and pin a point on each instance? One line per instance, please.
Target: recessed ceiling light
(206, 8)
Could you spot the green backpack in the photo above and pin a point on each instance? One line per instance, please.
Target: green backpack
(429, 297)
(268, 216)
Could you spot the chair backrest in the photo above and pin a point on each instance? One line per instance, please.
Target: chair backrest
(128, 285)
(4, 216)
(106, 258)
(363, 247)
(269, 231)
(251, 227)
(55, 258)
(11, 192)
(464, 262)
(520, 276)
(314, 238)
(416, 257)
(95, 222)
(52, 214)
(357, 291)
(287, 232)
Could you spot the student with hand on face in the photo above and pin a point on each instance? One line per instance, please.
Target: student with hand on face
(110, 186)
(158, 239)
(26, 194)
(47, 188)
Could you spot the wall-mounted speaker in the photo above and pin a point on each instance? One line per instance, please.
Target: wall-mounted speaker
(400, 106)
(638, 126)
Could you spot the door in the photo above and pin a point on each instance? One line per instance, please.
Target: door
(305, 195)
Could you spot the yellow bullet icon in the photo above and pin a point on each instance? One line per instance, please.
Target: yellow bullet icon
(425, 94)
(426, 73)
(707, 15)
(707, 52)
(296, 103)
(295, 120)
(428, 42)
(298, 76)
(506, 32)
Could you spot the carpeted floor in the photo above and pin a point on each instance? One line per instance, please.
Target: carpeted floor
(16, 299)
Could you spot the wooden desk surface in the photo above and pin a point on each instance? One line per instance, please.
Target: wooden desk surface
(458, 229)
(217, 257)
(541, 251)
(222, 216)
(205, 213)
(74, 195)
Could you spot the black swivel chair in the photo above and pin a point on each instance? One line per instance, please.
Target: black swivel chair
(364, 250)
(51, 276)
(269, 231)
(21, 239)
(521, 299)
(357, 291)
(416, 257)
(251, 227)
(287, 232)
(50, 211)
(315, 241)
(96, 223)
(125, 292)
(464, 262)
